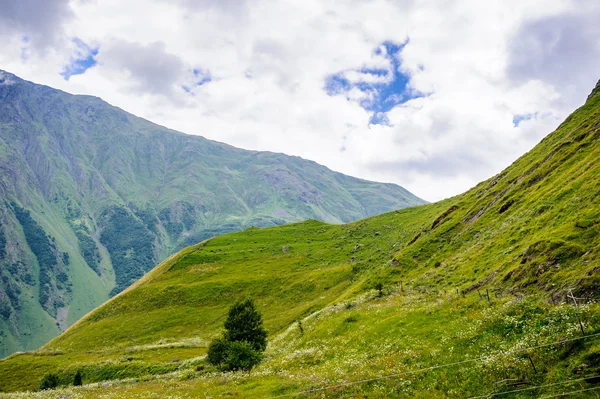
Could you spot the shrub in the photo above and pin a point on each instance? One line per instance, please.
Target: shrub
(244, 340)
(217, 351)
(241, 355)
(77, 380)
(50, 381)
(244, 323)
(379, 288)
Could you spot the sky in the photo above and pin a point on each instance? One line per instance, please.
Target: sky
(433, 95)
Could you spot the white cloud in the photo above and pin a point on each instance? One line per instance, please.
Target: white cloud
(145, 68)
(482, 62)
(37, 21)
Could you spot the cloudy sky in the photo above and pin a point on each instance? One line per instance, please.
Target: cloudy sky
(434, 95)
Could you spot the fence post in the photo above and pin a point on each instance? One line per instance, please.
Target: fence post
(532, 365)
(577, 310)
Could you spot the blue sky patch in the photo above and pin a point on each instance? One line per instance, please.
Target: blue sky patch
(25, 48)
(379, 118)
(202, 76)
(199, 77)
(383, 88)
(84, 59)
(522, 117)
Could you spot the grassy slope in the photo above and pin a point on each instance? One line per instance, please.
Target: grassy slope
(73, 161)
(543, 243)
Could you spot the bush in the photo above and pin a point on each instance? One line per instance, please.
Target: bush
(77, 380)
(50, 381)
(379, 288)
(244, 340)
(217, 351)
(241, 355)
(244, 323)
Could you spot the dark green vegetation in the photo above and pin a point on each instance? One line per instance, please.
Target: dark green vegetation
(244, 323)
(89, 250)
(130, 244)
(2, 243)
(244, 341)
(475, 298)
(118, 194)
(50, 381)
(78, 379)
(54, 284)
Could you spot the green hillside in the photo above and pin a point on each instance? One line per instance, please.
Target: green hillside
(93, 197)
(474, 299)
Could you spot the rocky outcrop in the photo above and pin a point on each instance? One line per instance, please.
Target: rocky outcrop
(595, 92)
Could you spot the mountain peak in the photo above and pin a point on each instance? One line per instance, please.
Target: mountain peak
(6, 79)
(595, 92)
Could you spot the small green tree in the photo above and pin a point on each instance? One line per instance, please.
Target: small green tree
(244, 323)
(78, 380)
(244, 339)
(242, 356)
(49, 381)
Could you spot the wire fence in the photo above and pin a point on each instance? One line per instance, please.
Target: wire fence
(494, 394)
(458, 363)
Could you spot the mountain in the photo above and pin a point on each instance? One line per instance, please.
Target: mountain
(94, 197)
(477, 298)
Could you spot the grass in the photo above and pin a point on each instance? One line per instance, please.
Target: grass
(398, 334)
(526, 238)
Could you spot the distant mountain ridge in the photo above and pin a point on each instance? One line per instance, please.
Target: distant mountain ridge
(93, 197)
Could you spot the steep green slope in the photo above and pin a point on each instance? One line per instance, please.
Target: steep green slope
(93, 197)
(474, 298)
